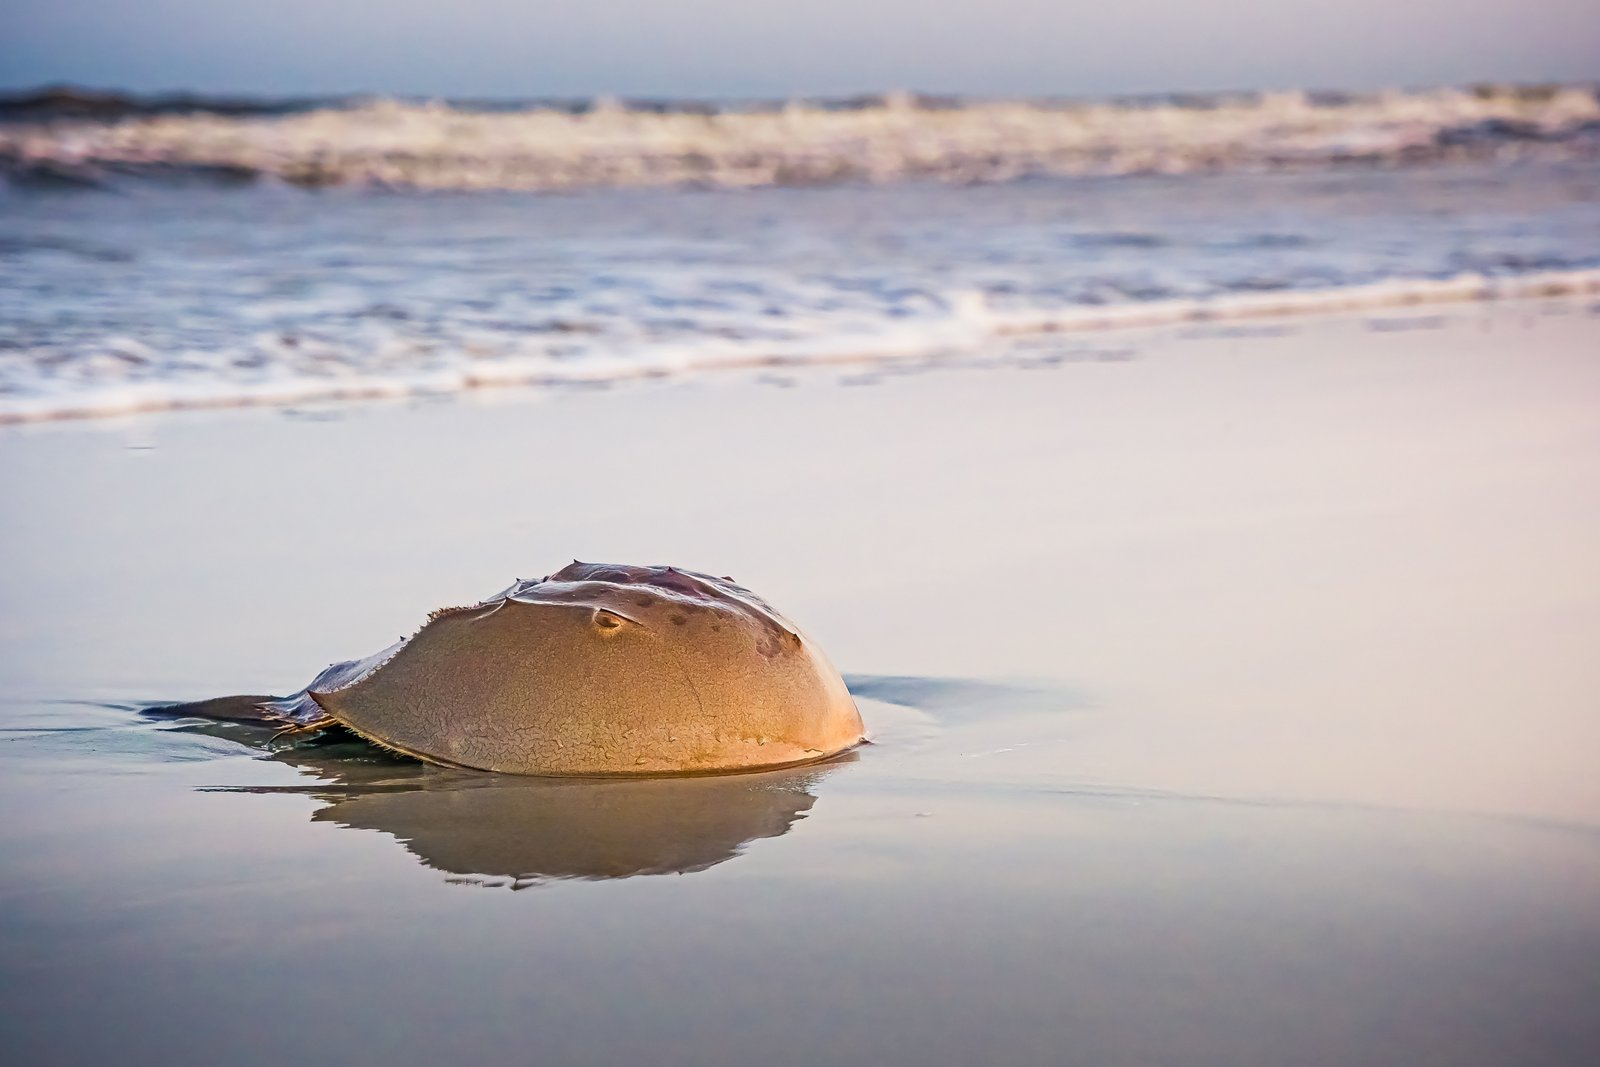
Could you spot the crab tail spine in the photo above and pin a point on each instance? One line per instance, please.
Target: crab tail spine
(241, 708)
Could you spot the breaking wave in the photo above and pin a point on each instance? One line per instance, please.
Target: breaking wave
(65, 138)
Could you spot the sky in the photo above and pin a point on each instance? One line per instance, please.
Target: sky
(755, 48)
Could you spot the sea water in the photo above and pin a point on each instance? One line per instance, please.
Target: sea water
(134, 276)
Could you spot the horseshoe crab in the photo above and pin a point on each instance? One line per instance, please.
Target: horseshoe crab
(595, 670)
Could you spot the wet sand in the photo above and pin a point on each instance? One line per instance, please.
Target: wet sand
(1232, 693)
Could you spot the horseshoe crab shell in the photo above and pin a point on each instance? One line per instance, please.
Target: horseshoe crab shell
(593, 670)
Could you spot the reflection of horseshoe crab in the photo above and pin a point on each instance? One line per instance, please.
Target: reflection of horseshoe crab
(532, 831)
(518, 831)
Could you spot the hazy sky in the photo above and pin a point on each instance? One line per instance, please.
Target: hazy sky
(759, 48)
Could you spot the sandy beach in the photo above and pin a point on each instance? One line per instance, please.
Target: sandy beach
(1231, 688)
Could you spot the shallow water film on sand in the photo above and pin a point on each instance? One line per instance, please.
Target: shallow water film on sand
(1203, 518)
(1230, 703)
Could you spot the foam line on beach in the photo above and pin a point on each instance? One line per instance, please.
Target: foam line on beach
(971, 330)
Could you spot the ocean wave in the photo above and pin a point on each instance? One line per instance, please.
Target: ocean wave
(75, 139)
(123, 376)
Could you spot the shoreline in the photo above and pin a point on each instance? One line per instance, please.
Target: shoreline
(967, 334)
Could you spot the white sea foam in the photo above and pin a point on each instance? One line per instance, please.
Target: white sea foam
(165, 297)
(970, 330)
(438, 146)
